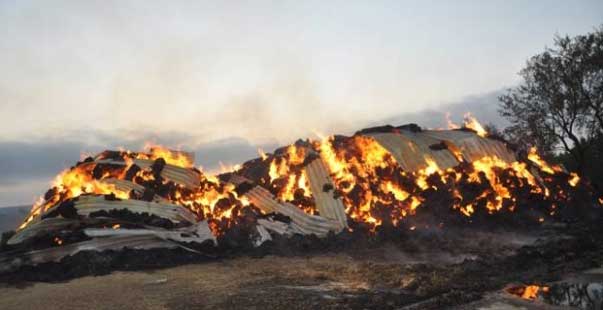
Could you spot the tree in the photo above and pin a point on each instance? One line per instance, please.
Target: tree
(559, 104)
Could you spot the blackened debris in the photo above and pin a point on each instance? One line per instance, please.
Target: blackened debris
(303, 143)
(390, 129)
(139, 218)
(148, 195)
(87, 160)
(50, 193)
(111, 155)
(337, 194)
(439, 146)
(131, 173)
(312, 156)
(157, 167)
(222, 205)
(4, 239)
(327, 187)
(111, 197)
(87, 263)
(66, 209)
(277, 217)
(100, 170)
(410, 127)
(244, 188)
(378, 129)
(225, 177)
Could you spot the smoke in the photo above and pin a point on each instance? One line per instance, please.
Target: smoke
(484, 107)
(27, 167)
(212, 72)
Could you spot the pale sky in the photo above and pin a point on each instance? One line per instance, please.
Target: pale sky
(267, 72)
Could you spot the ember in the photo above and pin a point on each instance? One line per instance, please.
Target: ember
(530, 292)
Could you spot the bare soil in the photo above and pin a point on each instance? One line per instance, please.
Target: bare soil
(464, 272)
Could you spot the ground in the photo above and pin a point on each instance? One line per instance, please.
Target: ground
(266, 283)
(385, 276)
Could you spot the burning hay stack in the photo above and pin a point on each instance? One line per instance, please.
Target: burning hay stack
(380, 181)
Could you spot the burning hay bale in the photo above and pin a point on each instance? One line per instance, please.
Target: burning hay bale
(385, 179)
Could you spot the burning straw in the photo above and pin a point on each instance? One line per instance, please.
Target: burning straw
(383, 179)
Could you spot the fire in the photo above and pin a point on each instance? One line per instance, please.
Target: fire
(423, 174)
(58, 241)
(172, 158)
(355, 163)
(262, 154)
(533, 156)
(354, 168)
(490, 167)
(472, 123)
(574, 179)
(286, 177)
(72, 183)
(210, 200)
(389, 187)
(529, 292)
(373, 187)
(224, 168)
(450, 124)
(542, 165)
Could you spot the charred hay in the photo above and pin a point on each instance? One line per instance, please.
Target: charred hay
(387, 184)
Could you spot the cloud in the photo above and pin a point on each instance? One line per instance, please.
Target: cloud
(26, 167)
(228, 152)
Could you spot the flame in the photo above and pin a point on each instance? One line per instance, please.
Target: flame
(423, 174)
(389, 187)
(262, 154)
(574, 179)
(472, 123)
(529, 292)
(171, 157)
(542, 165)
(354, 168)
(225, 168)
(302, 182)
(211, 200)
(287, 192)
(287, 167)
(372, 185)
(71, 183)
(449, 123)
(458, 154)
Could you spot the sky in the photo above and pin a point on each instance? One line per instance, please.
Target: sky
(222, 78)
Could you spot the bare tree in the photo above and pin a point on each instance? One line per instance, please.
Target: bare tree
(559, 103)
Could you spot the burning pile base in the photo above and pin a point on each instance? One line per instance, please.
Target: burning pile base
(124, 210)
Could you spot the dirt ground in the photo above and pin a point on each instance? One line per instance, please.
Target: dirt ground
(326, 281)
(371, 280)
(268, 282)
(462, 270)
